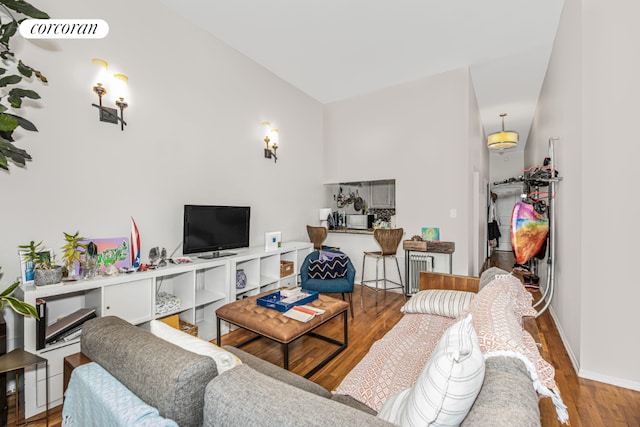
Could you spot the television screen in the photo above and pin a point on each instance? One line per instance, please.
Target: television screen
(215, 228)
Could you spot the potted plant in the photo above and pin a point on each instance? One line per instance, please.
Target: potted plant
(71, 252)
(45, 272)
(18, 306)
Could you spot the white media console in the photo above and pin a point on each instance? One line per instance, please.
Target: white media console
(201, 285)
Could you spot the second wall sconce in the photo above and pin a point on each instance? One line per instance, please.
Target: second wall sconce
(271, 140)
(119, 81)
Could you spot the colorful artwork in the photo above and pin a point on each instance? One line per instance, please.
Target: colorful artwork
(114, 250)
(430, 233)
(529, 231)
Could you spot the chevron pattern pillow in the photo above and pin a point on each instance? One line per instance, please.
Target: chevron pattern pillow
(333, 268)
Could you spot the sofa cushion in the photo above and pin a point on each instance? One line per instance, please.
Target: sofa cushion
(161, 374)
(224, 360)
(438, 301)
(333, 268)
(448, 384)
(277, 372)
(245, 397)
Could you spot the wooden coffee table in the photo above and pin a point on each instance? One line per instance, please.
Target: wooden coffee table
(274, 325)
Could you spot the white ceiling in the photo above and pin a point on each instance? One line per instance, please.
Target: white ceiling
(337, 49)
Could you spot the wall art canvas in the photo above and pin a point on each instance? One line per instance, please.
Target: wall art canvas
(111, 250)
(430, 233)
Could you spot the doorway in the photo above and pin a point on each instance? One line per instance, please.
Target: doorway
(508, 196)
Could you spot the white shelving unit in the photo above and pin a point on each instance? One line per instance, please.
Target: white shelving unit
(202, 287)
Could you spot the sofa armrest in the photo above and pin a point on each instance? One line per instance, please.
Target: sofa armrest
(273, 371)
(244, 397)
(507, 396)
(162, 374)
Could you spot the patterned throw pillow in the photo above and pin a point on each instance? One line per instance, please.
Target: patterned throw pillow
(447, 386)
(333, 268)
(438, 301)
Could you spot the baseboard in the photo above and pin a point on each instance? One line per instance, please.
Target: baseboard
(565, 342)
(618, 382)
(589, 375)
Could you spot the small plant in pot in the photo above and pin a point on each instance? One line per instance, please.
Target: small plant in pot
(45, 272)
(71, 252)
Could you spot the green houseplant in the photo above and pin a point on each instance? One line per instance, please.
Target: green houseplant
(72, 250)
(45, 272)
(18, 306)
(12, 73)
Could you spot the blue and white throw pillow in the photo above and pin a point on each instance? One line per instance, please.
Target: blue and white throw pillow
(333, 268)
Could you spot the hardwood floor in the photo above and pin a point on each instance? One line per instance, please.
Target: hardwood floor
(590, 403)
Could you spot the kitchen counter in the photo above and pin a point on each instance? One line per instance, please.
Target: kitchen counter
(352, 231)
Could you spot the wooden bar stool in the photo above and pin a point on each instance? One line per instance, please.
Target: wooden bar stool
(317, 235)
(388, 240)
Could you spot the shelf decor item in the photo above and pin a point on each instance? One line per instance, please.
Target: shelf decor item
(272, 240)
(71, 253)
(37, 265)
(241, 279)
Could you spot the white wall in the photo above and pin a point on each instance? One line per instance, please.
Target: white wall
(193, 136)
(418, 134)
(589, 100)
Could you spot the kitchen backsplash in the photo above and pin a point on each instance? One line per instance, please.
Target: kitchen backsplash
(382, 214)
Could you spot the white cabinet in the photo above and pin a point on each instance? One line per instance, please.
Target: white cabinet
(382, 194)
(202, 286)
(131, 301)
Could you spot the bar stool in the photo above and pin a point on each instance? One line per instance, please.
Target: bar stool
(388, 240)
(317, 235)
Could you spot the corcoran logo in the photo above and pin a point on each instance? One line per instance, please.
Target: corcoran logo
(64, 29)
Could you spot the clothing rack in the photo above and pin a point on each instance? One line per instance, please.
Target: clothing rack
(533, 181)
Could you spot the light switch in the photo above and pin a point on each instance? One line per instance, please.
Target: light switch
(453, 212)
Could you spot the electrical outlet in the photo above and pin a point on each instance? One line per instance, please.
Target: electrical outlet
(453, 212)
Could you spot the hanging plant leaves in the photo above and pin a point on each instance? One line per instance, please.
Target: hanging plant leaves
(7, 122)
(24, 123)
(17, 155)
(10, 80)
(7, 135)
(25, 8)
(25, 70)
(16, 95)
(8, 30)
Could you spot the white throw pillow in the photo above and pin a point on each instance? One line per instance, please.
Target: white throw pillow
(438, 301)
(224, 360)
(448, 385)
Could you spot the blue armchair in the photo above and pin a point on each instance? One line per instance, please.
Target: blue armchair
(341, 285)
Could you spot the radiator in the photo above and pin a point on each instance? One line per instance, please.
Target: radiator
(417, 262)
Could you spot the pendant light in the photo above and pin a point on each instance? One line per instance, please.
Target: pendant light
(503, 139)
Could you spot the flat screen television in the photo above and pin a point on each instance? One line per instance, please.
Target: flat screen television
(214, 229)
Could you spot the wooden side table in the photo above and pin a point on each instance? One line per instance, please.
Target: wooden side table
(70, 363)
(17, 360)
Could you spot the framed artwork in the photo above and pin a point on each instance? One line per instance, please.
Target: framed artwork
(430, 233)
(272, 240)
(26, 267)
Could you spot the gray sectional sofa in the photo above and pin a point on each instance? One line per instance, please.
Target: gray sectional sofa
(185, 387)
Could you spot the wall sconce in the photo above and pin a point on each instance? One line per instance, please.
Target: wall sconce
(271, 139)
(108, 114)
